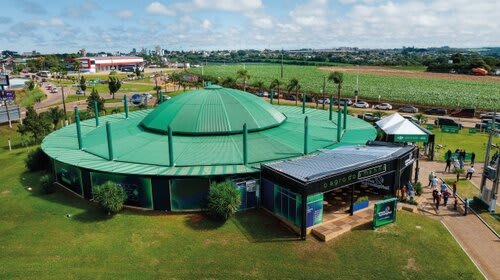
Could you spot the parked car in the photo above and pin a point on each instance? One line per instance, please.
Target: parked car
(408, 109)
(137, 99)
(290, 97)
(342, 100)
(324, 101)
(449, 122)
(369, 117)
(489, 115)
(361, 104)
(484, 123)
(79, 91)
(464, 113)
(436, 111)
(383, 106)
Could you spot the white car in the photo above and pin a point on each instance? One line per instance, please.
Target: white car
(383, 106)
(53, 90)
(361, 104)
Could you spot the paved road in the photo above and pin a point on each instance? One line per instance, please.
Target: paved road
(478, 241)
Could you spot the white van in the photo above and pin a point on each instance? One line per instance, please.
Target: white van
(44, 74)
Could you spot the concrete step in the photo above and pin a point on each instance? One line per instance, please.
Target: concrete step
(327, 235)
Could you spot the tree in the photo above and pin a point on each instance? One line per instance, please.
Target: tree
(138, 71)
(56, 115)
(223, 200)
(294, 85)
(30, 85)
(338, 79)
(243, 74)
(36, 125)
(114, 85)
(83, 84)
(77, 65)
(276, 84)
(229, 82)
(94, 96)
(110, 196)
(259, 85)
(421, 118)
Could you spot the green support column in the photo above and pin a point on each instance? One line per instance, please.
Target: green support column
(96, 113)
(304, 103)
(78, 130)
(161, 97)
(339, 124)
(170, 147)
(331, 105)
(272, 95)
(245, 144)
(345, 115)
(306, 133)
(125, 105)
(110, 141)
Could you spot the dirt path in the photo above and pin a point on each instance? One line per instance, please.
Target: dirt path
(478, 241)
(386, 71)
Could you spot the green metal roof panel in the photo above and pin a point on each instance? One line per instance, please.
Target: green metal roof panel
(211, 111)
(139, 151)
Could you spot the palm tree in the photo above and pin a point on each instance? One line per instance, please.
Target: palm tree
(259, 85)
(275, 84)
(294, 85)
(242, 74)
(337, 78)
(77, 64)
(229, 82)
(56, 115)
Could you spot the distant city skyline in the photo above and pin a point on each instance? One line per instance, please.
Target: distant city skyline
(68, 26)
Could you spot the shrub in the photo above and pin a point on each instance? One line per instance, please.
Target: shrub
(47, 183)
(362, 199)
(110, 196)
(418, 188)
(37, 160)
(223, 200)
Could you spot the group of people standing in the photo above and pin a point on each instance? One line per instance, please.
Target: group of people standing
(442, 193)
(459, 162)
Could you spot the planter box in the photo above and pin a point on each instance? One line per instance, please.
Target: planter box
(360, 205)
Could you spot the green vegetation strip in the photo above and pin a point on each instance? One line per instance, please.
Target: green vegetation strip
(417, 90)
(29, 98)
(39, 241)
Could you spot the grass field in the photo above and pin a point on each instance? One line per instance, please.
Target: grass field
(28, 98)
(408, 90)
(470, 142)
(38, 241)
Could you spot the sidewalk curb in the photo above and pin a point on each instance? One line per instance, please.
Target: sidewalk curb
(463, 249)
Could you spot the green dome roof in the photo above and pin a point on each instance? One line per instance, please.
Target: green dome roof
(213, 110)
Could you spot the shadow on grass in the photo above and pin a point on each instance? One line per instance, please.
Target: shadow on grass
(202, 221)
(92, 215)
(259, 226)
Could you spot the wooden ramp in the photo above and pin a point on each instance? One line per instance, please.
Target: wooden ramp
(334, 228)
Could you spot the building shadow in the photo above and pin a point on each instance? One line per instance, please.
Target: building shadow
(202, 221)
(258, 226)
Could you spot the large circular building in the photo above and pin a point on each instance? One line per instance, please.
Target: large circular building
(166, 157)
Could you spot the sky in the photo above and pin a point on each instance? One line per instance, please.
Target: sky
(57, 26)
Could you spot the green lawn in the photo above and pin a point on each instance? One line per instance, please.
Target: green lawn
(431, 92)
(28, 98)
(464, 140)
(38, 241)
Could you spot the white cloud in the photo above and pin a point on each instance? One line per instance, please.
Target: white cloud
(228, 5)
(158, 8)
(312, 14)
(206, 24)
(54, 22)
(125, 14)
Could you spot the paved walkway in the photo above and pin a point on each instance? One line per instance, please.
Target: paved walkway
(482, 245)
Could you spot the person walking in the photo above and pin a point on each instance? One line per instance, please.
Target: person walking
(455, 204)
(454, 189)
(434, 182)
(448, 155)
(472, 158)
(466, 206)
(446, 195)
(403, 193)
(438, 201)
(448, 165)
(434, 196)
(431, 176)
(444, 187)
(456, 163)
(470, 171)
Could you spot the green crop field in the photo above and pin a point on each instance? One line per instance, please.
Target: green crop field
(39, 241)
(414, 90)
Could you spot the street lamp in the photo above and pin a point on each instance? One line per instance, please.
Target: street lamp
(64, 105)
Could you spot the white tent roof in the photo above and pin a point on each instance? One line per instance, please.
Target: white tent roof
(396, 124)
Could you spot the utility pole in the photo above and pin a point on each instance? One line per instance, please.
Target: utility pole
(282, 63)
(494, 189)
(356, 90)
(64, 106)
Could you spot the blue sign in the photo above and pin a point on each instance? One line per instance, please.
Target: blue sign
(136, 99)
(314, 210)
(7, 94)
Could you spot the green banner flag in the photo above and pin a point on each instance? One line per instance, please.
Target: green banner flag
(449, 128)
(384, 212)
(411, 138)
